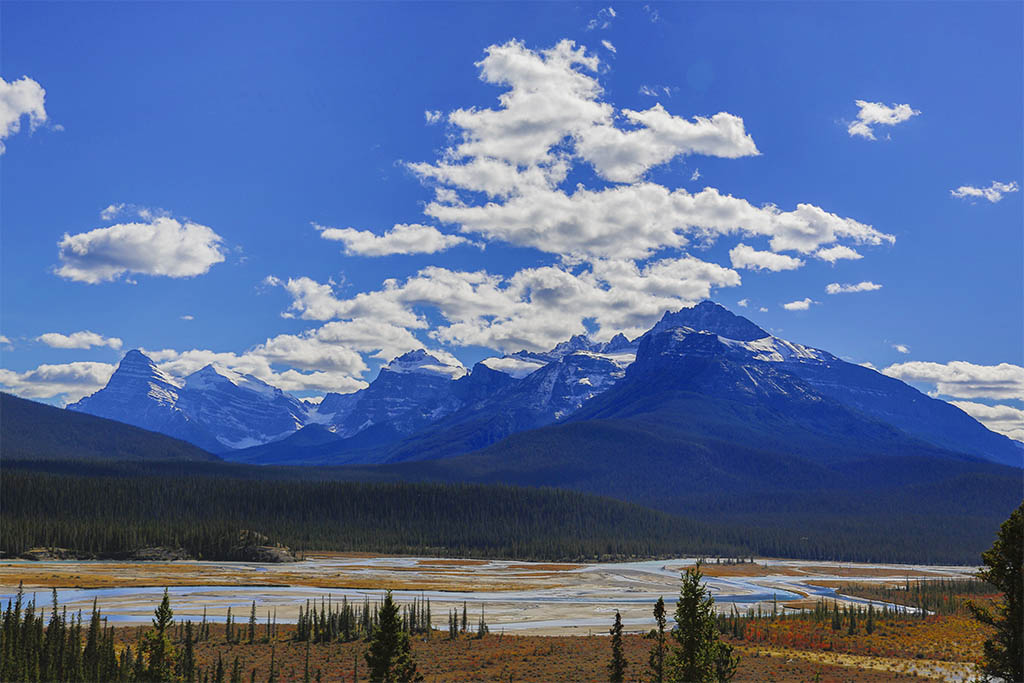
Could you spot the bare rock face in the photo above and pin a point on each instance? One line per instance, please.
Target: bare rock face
(253, 546)
(53, 554)
(160, 554)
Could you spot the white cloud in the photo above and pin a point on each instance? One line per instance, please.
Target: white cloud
(188, 317)
(762, 310)
(633, 221)
(608, 46)
(78, 340)
(550, 97)
(743, 256)
(902, 348)
(400, 239)
(999, 418)
(695, 176)
(993, 192)
(652, 14)
(534, 308)
(876, 113)
(23, 97)
(603, 19)
(551, 117)
(72, 380)
(657, 90)
(112, 211)
(961, 379)
(162, 246)
(432, 117)
(840, 251)
(743, 303)
(836, 288)
(801, 305)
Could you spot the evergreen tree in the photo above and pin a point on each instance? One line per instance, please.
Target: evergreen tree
(187, 663)
(698, 656)
(390, 657)
(617, 666)
(1004, 569)
(252, 623)
(158, 645)
(656, 661)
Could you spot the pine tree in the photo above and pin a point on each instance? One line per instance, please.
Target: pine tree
(465, 621)
(617, 666)
(656, 661)
(390, 657)
(252, 623)
(698, 656)
(1004, 651)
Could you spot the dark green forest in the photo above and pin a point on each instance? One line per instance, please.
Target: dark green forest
(109, 514)
(116, 508)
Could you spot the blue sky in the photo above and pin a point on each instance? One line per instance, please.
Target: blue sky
(248, 155)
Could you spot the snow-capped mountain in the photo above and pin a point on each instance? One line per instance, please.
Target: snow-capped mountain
(421, 406)
(216, 410)
(410, 392)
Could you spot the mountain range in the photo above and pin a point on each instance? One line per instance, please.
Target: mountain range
(700, 374)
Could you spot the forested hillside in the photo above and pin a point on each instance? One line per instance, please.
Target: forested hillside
(35, 431)
(109, 514)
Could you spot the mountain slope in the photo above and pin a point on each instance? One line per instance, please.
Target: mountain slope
(212, 410)
(34, 431)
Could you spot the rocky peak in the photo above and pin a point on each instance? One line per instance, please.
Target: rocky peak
(707, 316)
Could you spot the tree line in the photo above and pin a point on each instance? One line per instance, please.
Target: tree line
(111, 516)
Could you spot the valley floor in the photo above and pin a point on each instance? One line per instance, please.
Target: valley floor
(547, 621)
(522, 597)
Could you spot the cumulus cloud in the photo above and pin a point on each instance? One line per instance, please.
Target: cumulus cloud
(400, 239)
(992, 193)
(961, 379)
(188, 317)
(1002, 419)
(78, 340)
(534, 308)
(866, 286)
(743, 256)
(72, 380)
(902, 348)
(4, 341)
(840, 251)
(633, 221)
(432, 116)
(743, 303)
(801, 305)
(878, 114)
(21, 98)
(552, 117)
(161, 246)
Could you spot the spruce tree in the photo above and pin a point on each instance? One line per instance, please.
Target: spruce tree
(159, 649)
(617, 665)
(390, 656)
(656, 661)
(1004, 569)
(698, 656)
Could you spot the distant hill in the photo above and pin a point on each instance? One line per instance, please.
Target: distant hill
(35, 431)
